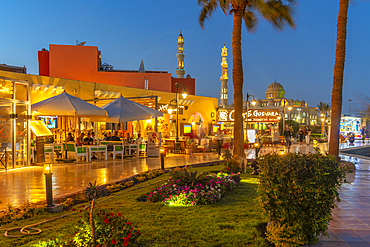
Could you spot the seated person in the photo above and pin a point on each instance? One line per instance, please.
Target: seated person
(106, 137)
(128, 138)
(115, 137)
(70, 138)
(139, 139)
(88, 140)
(80, 139)
(93, 136)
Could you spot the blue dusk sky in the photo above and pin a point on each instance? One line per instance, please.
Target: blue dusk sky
(126, 32)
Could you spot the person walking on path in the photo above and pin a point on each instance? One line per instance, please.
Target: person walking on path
(308, 135)
(300, 136)
(287, 136)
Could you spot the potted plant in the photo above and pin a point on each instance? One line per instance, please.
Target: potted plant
(189, 147)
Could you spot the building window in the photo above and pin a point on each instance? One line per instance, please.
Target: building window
(146, 86)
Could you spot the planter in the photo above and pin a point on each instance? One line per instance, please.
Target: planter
(188, 150)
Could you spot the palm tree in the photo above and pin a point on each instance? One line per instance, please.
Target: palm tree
(277, 12)
(323, 109)
(336, 96)
(93, 191)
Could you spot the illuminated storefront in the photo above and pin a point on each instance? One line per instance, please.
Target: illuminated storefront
(350, 125)
(14, 123)
(261, 118)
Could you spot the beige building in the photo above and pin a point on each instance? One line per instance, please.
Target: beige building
(198, 111)
(275, 99)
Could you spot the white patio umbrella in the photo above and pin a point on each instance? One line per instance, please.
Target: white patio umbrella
(124, 110)
(66, 105)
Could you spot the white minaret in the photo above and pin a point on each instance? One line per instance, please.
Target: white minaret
(180, 71)
(224, 78)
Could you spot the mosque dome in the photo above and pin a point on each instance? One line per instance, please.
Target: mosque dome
(303, 103)
(275, 91)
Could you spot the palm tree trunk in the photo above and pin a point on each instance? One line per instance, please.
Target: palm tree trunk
(238, 86)
(336, 98)
(92, 223)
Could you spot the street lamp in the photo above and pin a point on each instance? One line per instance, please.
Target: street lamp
(253, 102)
(184, 94)
(285, 103)
(322, 124)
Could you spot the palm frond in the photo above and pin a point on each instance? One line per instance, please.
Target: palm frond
(208, 8)
(250, 20)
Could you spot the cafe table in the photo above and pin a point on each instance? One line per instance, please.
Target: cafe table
(131, 147)
(97, 149)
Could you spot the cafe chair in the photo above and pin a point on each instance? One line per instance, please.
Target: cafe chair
(74, 151)
(49, 150)
(117, 150)
(142, 148)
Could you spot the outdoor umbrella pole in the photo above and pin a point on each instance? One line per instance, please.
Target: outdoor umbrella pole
(65, 136)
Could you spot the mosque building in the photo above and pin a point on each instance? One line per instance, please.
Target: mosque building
(275, 99)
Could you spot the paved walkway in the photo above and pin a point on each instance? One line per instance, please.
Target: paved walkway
(351, 225)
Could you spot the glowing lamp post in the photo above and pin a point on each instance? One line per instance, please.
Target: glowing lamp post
(161, 151)
(184, 94)
(51, 207)
(322, 124)
(253, 102)
(48, 172)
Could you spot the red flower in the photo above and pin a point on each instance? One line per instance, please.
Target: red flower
(111, 214)
(138, 231)
(73, 209)
(126, 239)
(129, 235)
(129, 223)
(113, 241)
(106, 221)
(119, 214)
(125, 244)
(98, 245)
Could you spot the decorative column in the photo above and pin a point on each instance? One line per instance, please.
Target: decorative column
(180, 71)
(224, 79)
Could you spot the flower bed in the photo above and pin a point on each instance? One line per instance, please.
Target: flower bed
(176, 192)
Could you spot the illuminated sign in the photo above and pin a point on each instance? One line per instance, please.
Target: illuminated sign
(6, 89)
(253, 115)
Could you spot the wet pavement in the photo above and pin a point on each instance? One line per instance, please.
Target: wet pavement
(350, 227)
(28, 183)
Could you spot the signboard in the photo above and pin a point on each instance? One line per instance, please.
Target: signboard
(39, 128)
(254, 115)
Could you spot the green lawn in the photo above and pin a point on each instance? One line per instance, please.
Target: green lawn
(233, 221)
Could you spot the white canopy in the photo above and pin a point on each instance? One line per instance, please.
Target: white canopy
(66, 105)
(124, 110)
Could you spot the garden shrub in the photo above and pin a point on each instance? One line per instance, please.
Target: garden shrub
(297, 193)
(111, 229)
(115, 187)
(232, 166)
(25, 210)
